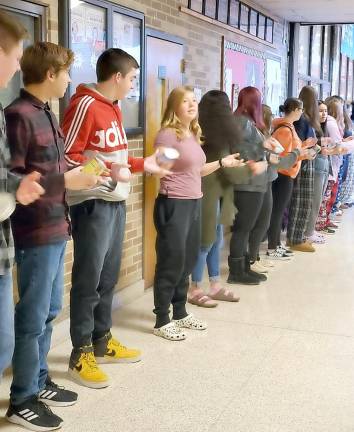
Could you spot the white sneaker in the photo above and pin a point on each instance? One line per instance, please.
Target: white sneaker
(278, 255)
(258, 267)
(170, 332)
(190, 322)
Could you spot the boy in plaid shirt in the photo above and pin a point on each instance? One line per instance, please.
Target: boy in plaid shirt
(24, 189)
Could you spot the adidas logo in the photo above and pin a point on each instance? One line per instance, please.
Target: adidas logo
(28, 414)
(47, 394)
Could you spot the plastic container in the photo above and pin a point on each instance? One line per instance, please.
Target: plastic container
(7, 205)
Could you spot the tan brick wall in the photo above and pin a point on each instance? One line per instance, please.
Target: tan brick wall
(202, 44)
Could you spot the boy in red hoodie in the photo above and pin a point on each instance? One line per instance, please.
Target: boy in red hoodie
(93, 127)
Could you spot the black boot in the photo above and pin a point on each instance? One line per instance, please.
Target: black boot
(238, 273)
(260, 276)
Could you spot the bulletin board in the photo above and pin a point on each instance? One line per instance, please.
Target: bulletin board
(241, 67)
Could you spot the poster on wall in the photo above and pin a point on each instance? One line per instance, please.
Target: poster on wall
(88, 41)
(273, 93)
(241, 67)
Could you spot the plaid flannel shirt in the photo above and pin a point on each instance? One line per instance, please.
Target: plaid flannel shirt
(9, 182)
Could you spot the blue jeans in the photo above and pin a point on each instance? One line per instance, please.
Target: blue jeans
(211, 257)
(7, 339)
(40, 279)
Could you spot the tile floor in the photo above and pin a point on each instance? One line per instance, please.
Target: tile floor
(282, 360)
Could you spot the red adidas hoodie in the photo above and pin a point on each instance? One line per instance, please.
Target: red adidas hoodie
(92, 124)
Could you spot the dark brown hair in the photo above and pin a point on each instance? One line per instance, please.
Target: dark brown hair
(112, 61)
(292, 104)
(11, 31)
(309, 97)
(41, 57)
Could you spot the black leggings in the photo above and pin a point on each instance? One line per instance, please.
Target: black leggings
(282, 190)
(262, 224)
(249, 205)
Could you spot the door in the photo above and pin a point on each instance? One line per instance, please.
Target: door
(164, 72)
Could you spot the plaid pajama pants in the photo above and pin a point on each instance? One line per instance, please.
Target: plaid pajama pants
(301, 203)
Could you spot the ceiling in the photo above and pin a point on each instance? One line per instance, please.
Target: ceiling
(322, 11)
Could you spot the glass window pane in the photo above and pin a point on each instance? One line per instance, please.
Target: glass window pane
(302, 83)
(269, 30)
(316, 51)
(197, 5)
(350, 82)
(336, 63)
(88, 41)
(327, 47)
(244, 17)
(234, 13)
(304, 50)
(210, 8)
(343, 76)
(223, 9)
(261, 26)
(10, 93)
(253, 22)
(127, 36)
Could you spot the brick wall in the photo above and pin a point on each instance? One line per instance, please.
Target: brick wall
(202, 45)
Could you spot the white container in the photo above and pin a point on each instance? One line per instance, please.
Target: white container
(7, 205)
(167, 155)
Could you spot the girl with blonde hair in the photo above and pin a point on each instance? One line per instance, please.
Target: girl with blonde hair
(177, 213)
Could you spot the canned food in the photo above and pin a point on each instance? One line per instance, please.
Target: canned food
(94, 166)
(7, 205)
(167, 155)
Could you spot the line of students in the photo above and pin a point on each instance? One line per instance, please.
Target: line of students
(238, 174)
(34, 157)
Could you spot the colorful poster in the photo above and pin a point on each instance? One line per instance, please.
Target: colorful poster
(88, 41)
(242, 68)
(273, 95)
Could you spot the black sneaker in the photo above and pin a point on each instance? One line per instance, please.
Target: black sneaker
(54, 395)
(33, 415)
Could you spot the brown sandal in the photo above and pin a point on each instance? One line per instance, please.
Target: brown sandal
(202, 300)
(224, 295)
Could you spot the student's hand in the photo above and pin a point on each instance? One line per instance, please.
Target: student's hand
(232, 161)
(75, 179)
(342, 151)
(349, 138)
(120, 172)
(151, 166)
(257, 168)
(310, 142)
(326, 152)
(29, 190)
(271, 144)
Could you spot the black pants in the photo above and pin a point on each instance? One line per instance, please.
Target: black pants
(262, 224)
(98, 232)
(282, 190)
(177, 223)
(249, 205)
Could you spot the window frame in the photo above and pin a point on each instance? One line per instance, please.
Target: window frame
(240, 4)
(110, 9)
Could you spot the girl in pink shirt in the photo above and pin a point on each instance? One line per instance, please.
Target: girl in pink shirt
(177, 214)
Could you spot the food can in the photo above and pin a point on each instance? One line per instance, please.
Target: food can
(7, 205)
(94, 166)
(167, 155)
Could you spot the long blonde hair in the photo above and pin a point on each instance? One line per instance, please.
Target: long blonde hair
(170, 119)
(335, 109)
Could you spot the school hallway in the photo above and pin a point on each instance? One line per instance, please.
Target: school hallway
(281, 360)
